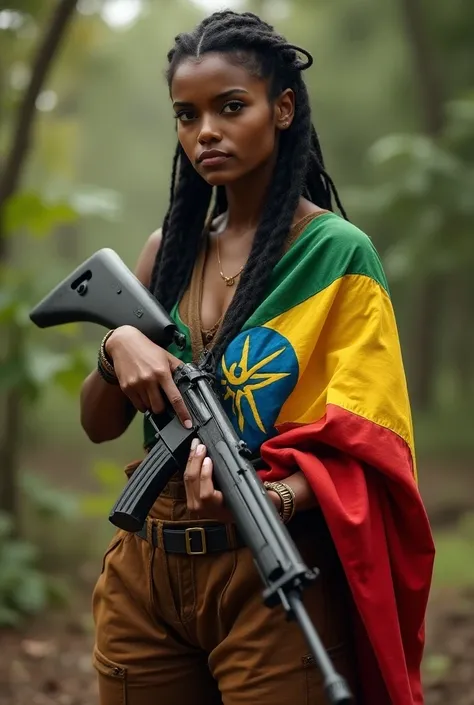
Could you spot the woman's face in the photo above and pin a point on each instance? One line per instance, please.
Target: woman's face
(226, 123)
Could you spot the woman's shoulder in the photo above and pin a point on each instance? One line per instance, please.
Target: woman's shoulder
(337, 247)
(332, 227)
(147, 257)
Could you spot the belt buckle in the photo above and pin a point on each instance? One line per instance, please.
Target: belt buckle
(188, 537)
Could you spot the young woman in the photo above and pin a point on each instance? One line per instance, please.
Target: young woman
(292, 301)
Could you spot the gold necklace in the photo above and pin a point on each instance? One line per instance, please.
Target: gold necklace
(229, 281)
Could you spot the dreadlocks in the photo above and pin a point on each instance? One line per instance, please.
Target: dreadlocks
(299, 169)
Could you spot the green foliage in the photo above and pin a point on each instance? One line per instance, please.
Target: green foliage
(31, 367)
(47, 502)
(24, 589)
(422, 197)
(454, 550)
(436, 666)
(110, 481)
(26, 210)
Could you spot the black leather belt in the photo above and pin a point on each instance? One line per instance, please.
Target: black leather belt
(193, 540)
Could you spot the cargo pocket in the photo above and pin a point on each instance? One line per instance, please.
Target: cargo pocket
(112, 679)
(114, 542)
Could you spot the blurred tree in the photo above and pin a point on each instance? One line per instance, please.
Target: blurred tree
(429, 289)
(12, 167)
(9, 179)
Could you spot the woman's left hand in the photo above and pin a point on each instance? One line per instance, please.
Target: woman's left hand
(204, 501)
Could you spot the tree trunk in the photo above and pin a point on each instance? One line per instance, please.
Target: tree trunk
(460, 335)
(422, 358)
(47, 50)
(11, 435)
(9, 179)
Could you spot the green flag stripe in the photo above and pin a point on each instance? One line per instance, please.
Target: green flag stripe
(328, 249)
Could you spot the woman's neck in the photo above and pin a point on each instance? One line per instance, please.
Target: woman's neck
(246, 200)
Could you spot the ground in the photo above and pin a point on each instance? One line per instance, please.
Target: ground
(49, 663)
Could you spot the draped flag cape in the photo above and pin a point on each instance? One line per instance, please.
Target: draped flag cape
(315, 380)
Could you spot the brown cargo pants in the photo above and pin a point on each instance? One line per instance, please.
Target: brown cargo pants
(174, 629)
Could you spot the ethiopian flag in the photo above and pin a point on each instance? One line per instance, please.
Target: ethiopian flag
(316, 381)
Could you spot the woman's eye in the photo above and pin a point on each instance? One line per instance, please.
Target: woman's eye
(185, 115)
(233, 107)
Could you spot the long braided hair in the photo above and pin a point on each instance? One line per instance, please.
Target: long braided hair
(299, 169)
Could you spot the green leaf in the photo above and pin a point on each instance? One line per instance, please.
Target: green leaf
(9, 617)
(108, 474)
(414, 149)
(28, 210)
(437, 665)
(49, 501)
(43, 365)
(65, 369)
(13, 554)
(6, 525)
(71, 378)
(8, 306)
(96, 505)
(32, 594)
(12, 374)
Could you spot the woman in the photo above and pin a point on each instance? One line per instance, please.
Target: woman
(292, 301)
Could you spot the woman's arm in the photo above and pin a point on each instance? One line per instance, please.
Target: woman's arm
(106, 412)
(304, 496)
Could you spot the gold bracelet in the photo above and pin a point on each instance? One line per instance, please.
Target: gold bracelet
(104, 363)
(103, 351)
(287, 496)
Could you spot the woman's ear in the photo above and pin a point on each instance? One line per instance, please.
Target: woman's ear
(285, 109)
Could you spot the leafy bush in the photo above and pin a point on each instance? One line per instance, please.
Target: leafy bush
(24, 589)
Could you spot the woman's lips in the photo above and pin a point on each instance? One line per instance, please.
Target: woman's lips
(214, 161)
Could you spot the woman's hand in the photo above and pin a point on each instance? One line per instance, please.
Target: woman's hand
(204, 501)
(144, 371)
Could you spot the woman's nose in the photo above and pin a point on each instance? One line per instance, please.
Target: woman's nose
(209, 132)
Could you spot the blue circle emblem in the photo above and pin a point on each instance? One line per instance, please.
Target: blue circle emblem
(255, 377)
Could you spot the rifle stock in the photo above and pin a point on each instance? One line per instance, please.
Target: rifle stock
(103, 290)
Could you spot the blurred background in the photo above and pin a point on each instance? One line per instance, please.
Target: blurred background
(86, 140)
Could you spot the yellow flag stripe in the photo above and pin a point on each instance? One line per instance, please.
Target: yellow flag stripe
(346, 341)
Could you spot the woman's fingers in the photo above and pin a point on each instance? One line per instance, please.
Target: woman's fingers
(155, 399)
(203, 500)
(191, 476)
(139, 401)
(176, 400)
(206, 486)
(202, 496)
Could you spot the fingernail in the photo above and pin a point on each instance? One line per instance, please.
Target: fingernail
(206, 464)
(200, 449)
(194, 444)
(188, 424)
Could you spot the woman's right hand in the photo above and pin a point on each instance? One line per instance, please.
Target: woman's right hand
(144, 371)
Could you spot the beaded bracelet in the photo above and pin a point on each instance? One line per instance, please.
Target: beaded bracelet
(105, 365)
(287, 496)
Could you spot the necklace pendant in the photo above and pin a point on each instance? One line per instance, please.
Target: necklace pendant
(229, 281)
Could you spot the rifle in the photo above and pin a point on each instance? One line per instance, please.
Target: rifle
(103, 290)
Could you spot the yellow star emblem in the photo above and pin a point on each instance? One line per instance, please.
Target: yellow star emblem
(248, 380)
